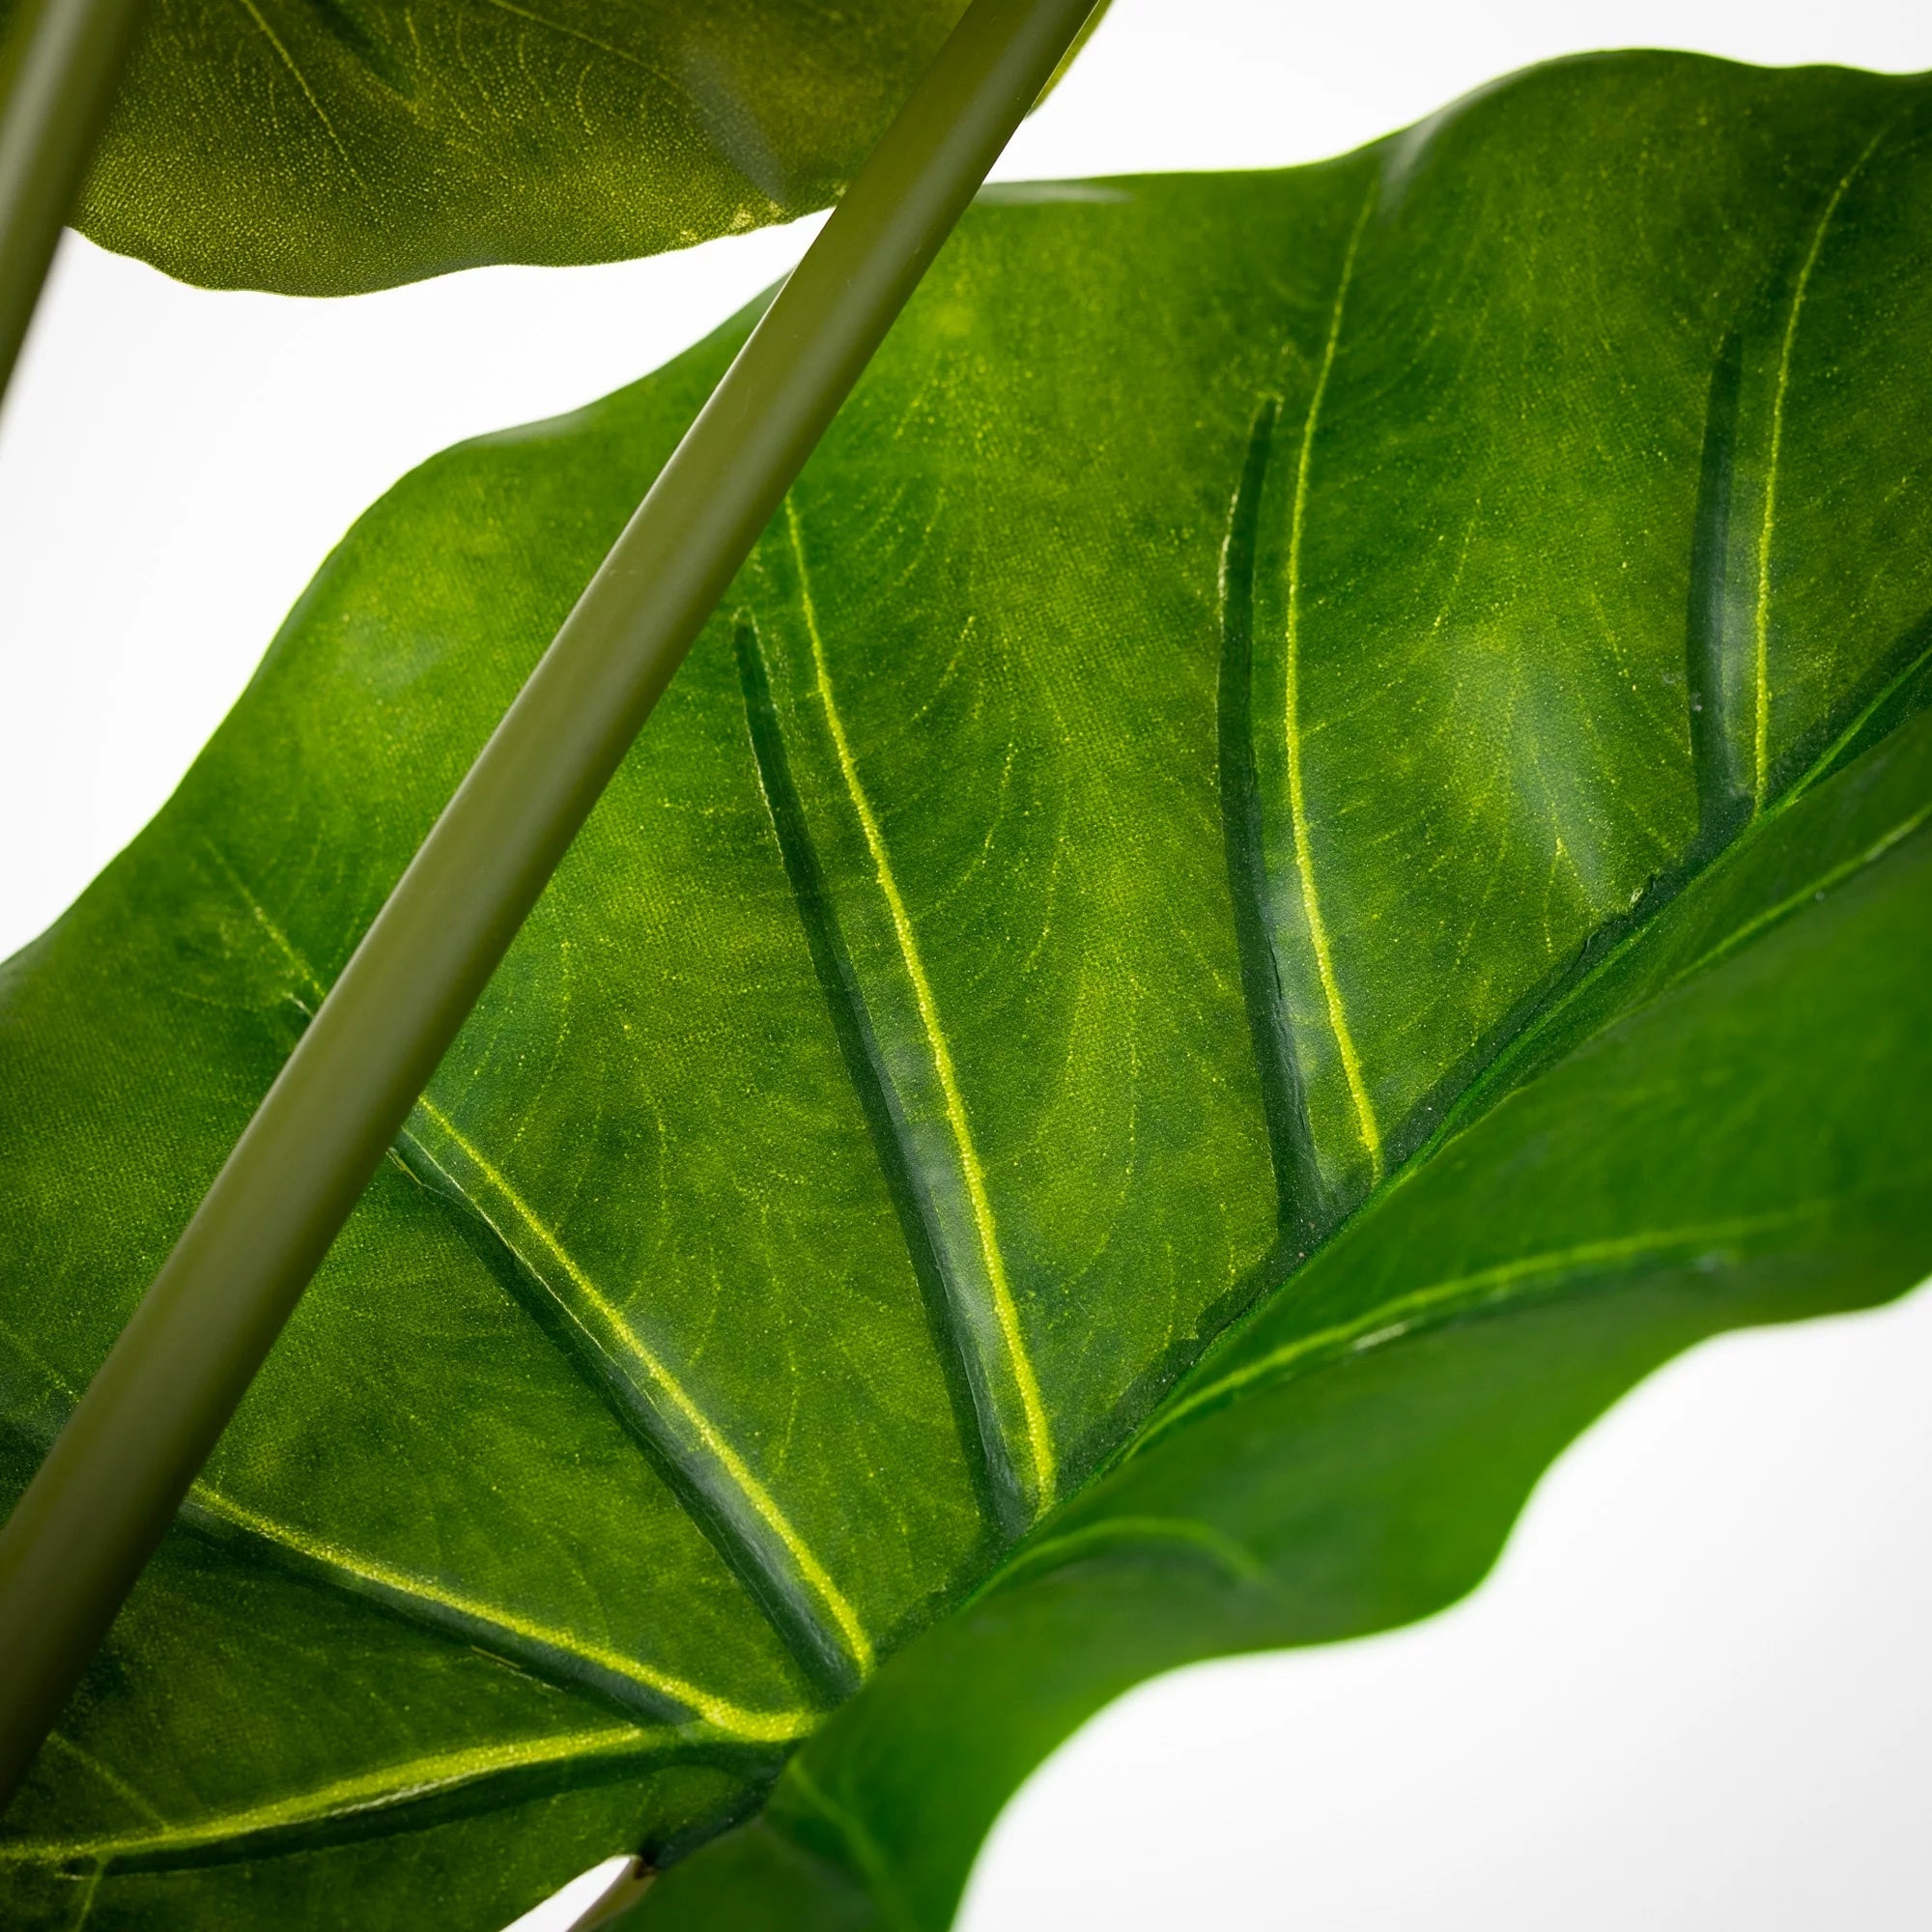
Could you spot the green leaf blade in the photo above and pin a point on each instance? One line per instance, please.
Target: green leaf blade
(899, 1254)
(1355, 1456)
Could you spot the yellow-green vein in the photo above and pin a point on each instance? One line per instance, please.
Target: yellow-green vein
(753, 1727)
(1129, 1532)
(1040, 1438)
(817, 1579)
(1459, 1294)
(568, 32)
(415, 1779)
(1809, 892)
(311, 981)
(1367, 1124)
(810, 1568)
(1761, 618)
(308, 94)
(93, 1766)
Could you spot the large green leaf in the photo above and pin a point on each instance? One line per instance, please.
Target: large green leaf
(321, 147)
(1302, 851)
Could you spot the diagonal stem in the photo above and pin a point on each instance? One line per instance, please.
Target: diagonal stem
(59, 71)
(110, 1486)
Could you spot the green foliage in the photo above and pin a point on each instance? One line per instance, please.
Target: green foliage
(321, 147)
(1303, 851)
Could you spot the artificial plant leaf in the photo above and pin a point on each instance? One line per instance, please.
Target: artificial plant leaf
(324, 147)
(1301, 852)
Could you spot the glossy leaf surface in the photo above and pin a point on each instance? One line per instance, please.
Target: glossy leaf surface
(1302, 852)
(321, 147)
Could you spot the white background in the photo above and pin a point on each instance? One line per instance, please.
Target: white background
(1697, 1691)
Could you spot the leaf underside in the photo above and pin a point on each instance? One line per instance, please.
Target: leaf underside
(324, 147)
(1302, 852)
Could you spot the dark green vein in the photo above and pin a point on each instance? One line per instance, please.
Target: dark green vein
(1321, 951)
(376, 59)
(723, 1498)
(559, 1657)
(1298, 1190)
(921, 1071)
(975, 1405)
(732, 1508)
(1725, 645)
(564, 1660)
(1761, 762)
(1548, 1030)
(1711, 631)
(434, 1789)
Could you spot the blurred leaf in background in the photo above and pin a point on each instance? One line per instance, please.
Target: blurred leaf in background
(324, 147)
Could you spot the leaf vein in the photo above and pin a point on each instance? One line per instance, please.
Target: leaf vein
(474, 1620)
(616, 1328)
(1039, 1440)
(308, 92)
(717, 1449)
(1297, 804)
(1761, 615)
(1459, 1294)
(408, 1783)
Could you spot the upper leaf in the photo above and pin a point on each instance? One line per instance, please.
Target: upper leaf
(324, 147)
(1302, 850)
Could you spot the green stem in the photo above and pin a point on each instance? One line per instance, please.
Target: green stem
(114, 1478)
(58, 74)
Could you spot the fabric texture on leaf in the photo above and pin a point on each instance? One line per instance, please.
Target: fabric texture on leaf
(324, 147)
(1302, 852)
